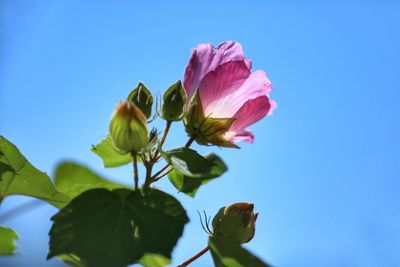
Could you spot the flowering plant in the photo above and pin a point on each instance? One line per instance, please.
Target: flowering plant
(103, 223)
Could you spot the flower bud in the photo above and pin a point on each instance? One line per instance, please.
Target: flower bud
(237, 222)
(174, 100)
(128, 128)
(142, 98)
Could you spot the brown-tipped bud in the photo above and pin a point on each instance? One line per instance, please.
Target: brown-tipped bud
(128, 128)
(237, 221)
(142, 98)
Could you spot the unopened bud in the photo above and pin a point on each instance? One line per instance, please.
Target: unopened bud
(237, 222)
(142, 98)
(174, 100)
(128, 128)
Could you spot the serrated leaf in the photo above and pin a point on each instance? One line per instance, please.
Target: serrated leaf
(72, 179)
(19, 177)
(190, 185)
(228, 253)
(188, 162)
(7, 239)
(116, 228)
(154, 260)
(110, 156)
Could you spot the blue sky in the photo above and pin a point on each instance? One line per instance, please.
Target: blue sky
(324, 169)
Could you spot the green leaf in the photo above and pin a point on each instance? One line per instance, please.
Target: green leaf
(72, 179)
(5, 169)
(154, 260)
(188, 162)
(19, 177)
(190, 185)
(7, 238)
(72, 260)
(116, 228)
(228, 253)
(160, 219)
(110, 156)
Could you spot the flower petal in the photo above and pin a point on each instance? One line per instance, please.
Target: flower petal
(251, 112)
(245, 135)
(223, 92)
(274, 105)
(218, 84)
(205, 59)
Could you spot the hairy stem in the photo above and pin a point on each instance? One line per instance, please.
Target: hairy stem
(195, 257)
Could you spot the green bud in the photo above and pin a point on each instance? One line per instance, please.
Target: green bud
(174, 100)
(128, 128)
(142, 98)
(237, 221)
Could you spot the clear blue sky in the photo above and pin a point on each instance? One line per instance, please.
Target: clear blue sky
(324, 169)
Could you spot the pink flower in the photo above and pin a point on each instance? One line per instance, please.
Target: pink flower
(227, 89)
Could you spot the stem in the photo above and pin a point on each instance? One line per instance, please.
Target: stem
(195, 257)
(156, 177)
(190, 141)
(147, 181)
(135, 170)
(153, 158)
(166, 130)
(164, 136)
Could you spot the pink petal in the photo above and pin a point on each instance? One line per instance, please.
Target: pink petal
(232, 51)
(205, 59)
(245, 136)
(274, 105)
(216, 85)
(223, 92)
(251, 112)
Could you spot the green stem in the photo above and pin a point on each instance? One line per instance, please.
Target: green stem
(164, 136)
(190, 142)
(195, 257)
(156, 176)
(135, 170)
(154, 158)
(165, 133)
